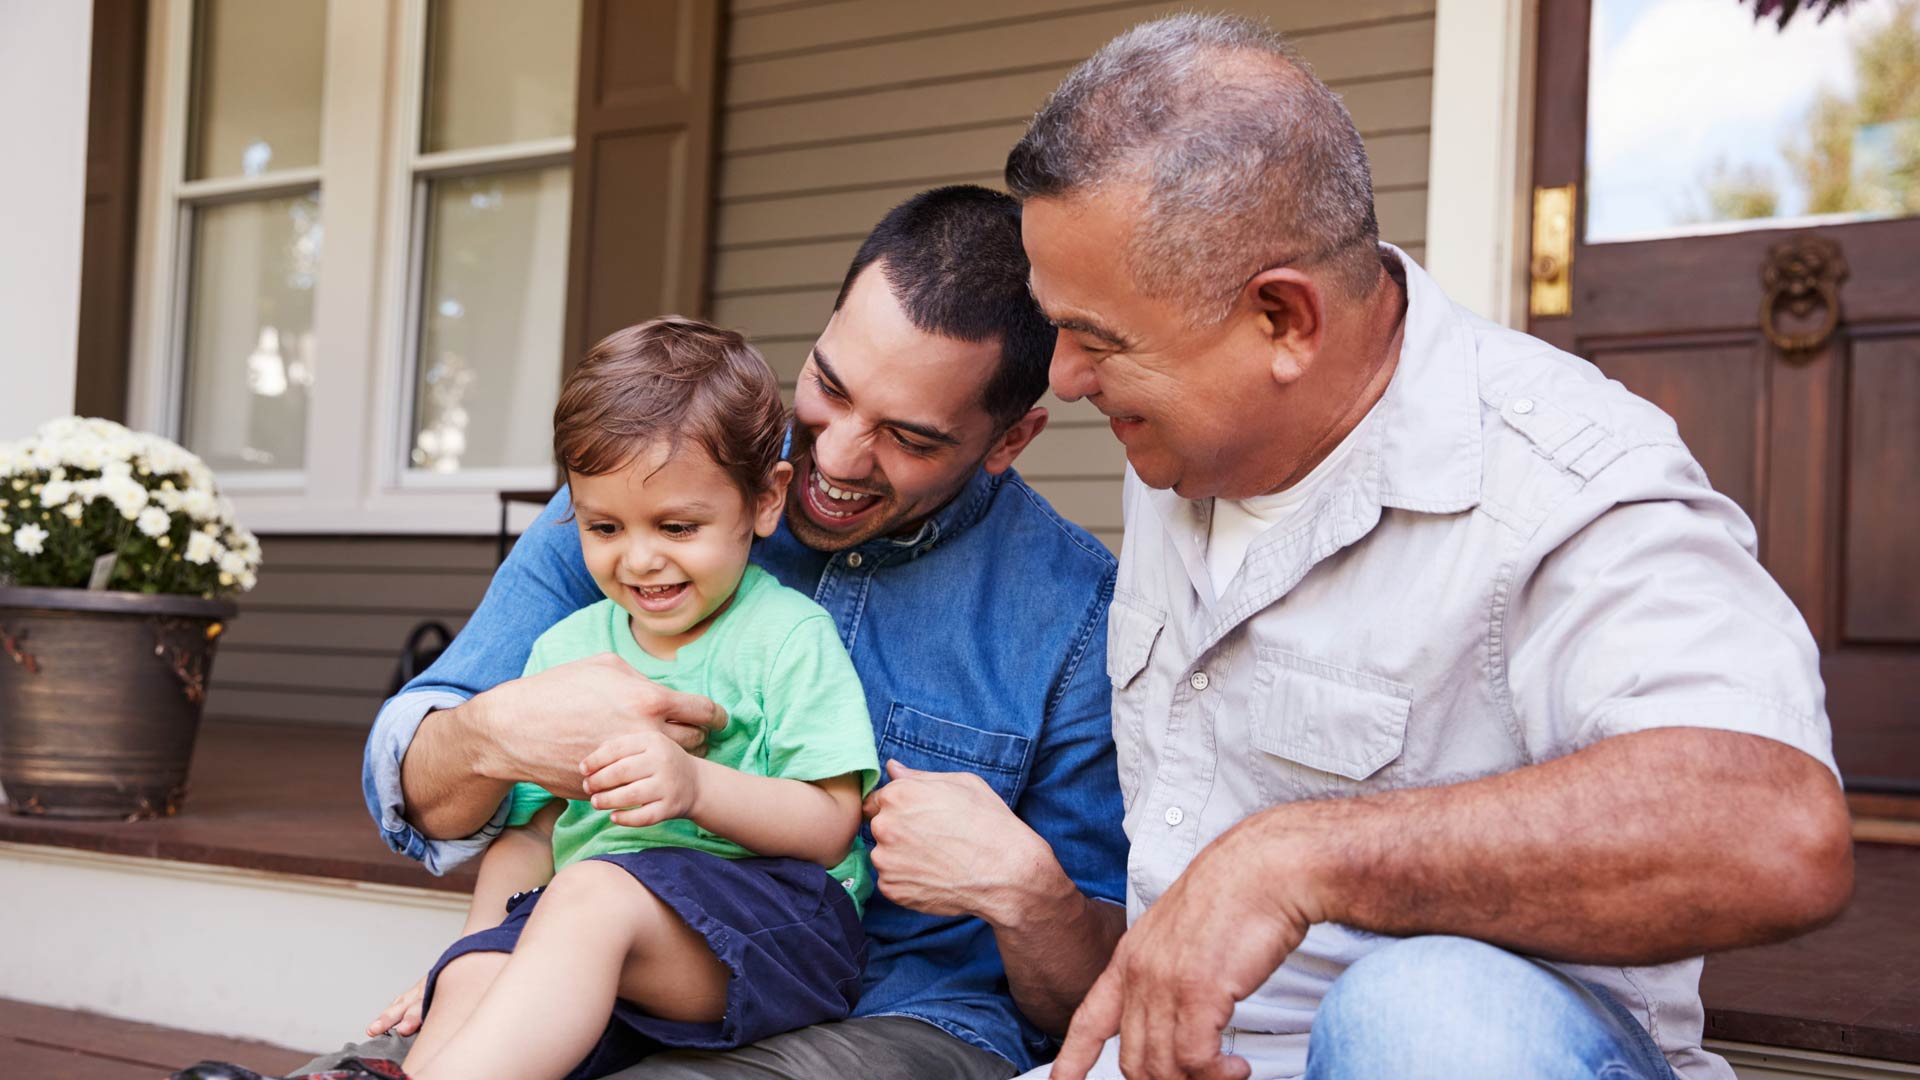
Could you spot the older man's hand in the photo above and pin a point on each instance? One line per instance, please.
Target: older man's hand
(944, 844)
(1209, 941)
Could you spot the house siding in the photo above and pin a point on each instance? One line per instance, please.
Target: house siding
(831, 113)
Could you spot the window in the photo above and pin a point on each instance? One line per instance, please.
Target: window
(399, 381)
(249, 208)
(491, 187)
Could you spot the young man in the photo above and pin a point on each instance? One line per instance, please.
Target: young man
(976, 618)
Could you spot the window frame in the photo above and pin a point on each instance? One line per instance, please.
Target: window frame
(373, 183)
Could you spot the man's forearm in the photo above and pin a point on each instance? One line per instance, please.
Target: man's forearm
(448, 795)
(1640, 849)
(1054, 941)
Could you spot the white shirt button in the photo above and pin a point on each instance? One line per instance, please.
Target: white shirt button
(1523, 406)
(1175, 815)
(854, 560)
(1198, 681)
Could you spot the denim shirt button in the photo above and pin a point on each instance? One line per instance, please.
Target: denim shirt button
(854, 560)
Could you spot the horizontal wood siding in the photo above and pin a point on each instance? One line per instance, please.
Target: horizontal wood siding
(833, 112)
(317, 641)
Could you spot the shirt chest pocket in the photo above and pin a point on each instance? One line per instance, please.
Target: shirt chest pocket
(922, 740)
(1133, 627)
(1316, 730)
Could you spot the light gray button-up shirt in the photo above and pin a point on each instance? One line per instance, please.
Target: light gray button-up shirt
(1518, 559)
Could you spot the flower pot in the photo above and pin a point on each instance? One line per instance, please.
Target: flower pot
(100, 699)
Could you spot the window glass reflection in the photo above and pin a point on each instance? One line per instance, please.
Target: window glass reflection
(257, 82)
(1701, 119)
(491, 316)
(250, 347)
(499, 71)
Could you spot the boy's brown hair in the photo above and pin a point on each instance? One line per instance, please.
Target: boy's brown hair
(672, 379)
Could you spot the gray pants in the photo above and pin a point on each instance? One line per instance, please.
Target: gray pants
(874, 1047)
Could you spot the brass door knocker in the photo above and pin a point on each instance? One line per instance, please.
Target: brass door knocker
(1799, 274)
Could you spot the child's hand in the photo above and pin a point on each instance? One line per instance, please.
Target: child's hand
(402, 1016)
(644, 778)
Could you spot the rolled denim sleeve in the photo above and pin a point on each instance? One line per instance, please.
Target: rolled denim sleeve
(1073, 796)
(543, 580)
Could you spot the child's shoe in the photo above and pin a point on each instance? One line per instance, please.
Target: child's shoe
(350, 1069)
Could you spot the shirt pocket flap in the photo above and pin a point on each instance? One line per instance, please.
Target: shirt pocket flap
(921, 740)
(1343, 722)
(1132, 628)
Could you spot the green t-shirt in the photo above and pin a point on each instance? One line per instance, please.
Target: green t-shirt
(795, 710)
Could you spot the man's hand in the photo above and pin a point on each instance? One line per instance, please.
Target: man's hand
(539, 728)
(944, 844)
(645, 778)
(1208, 942)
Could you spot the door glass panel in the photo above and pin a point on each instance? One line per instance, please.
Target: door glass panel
(256, 86)
(499, 71)
(250, 350)
(492, 307)
(1702, 119)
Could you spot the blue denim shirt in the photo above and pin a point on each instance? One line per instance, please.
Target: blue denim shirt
(981, 644)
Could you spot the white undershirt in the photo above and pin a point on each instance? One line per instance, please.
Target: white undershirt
(1237, 523)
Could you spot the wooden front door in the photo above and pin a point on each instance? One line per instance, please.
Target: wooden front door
(1746, 255)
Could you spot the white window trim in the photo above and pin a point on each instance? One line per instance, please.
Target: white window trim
(371, 184)
(1480, 166)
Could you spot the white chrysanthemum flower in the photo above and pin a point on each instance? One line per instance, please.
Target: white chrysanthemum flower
(198, 503)
(202, 549)
(226, 580)
(153, 521)
(231, 562)
(247, 581)
(55, 493)
(74, 511)
(31, 539)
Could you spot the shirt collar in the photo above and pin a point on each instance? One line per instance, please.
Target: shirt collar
(965, 508)
(1428, 436)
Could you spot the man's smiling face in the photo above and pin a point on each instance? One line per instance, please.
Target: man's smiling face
(889, 422)
(1186, 400)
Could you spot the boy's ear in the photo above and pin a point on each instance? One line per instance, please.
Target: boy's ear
(772, 500)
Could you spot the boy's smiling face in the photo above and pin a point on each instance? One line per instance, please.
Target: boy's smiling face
(666, 538)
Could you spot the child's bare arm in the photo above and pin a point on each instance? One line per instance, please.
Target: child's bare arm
(646, 778)
(519, 859)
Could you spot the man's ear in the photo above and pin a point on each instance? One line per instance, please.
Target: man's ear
(1292, 313)
(1015, 439)
(772, 500)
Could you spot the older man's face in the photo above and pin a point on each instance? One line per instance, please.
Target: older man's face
(1187, 402)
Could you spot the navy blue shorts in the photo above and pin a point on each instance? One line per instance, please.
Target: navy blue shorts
(785, 929)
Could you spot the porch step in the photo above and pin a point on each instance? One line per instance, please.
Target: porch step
(269, 909)
(37, 1042)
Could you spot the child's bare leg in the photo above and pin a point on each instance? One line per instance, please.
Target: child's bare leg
(567, 969)
(456, 993)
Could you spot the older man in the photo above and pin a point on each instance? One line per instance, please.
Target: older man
(1455, 717)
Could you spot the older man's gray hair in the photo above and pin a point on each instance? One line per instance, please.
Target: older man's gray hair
(1247, 160)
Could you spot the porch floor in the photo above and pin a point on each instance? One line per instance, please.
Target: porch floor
(276, 797)
(36, 1041)
(286, 798)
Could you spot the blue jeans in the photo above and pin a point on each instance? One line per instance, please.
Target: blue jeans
(1442, 1007)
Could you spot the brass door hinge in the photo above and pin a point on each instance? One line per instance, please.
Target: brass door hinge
(1552, 264)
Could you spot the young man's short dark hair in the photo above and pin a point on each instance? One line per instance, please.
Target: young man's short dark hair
(952, 258)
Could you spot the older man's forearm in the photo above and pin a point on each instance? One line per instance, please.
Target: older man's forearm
(1641, 849)
(449, 795)
(1054, 941)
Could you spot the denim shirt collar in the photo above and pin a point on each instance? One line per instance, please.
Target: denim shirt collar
(962, 511)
